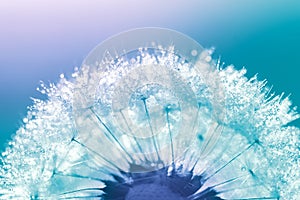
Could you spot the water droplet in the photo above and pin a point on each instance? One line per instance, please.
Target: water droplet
(208, 58)
(25, 120)
(194, 52)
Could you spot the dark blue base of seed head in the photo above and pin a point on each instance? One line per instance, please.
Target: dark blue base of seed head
(158, 185)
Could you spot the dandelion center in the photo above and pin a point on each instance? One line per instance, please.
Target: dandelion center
(163, 184)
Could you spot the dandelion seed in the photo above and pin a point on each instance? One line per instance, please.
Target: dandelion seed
(150, 115)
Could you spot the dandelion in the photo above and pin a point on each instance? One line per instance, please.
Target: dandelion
(150, 115)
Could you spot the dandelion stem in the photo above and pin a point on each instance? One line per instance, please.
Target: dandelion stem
(230, 161)
(151, 129)
(170, 134)
(110, 132)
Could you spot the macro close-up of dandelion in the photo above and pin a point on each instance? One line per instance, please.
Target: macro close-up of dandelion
(152, 115)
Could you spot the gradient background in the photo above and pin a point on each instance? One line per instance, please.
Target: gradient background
(39, 40)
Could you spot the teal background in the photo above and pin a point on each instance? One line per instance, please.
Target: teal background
(39, 40)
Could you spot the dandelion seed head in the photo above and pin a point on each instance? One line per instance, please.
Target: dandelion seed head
(151, 115)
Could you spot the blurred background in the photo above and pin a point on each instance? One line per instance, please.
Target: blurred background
(39, 40)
